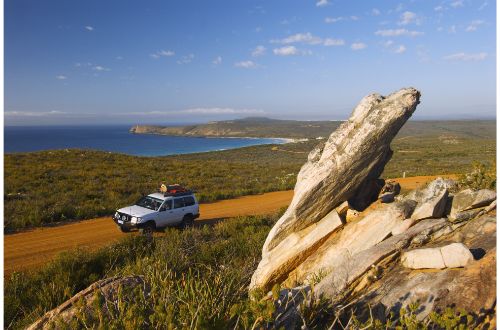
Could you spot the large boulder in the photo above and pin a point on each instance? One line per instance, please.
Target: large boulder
(108, 288)
(354, 155)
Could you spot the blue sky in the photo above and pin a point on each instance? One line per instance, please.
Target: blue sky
(101, 62)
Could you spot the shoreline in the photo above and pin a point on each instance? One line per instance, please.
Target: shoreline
(277, 141)
(285, 140)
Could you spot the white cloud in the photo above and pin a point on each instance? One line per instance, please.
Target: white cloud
(306, 38)
(458, 3)
(439, 8)
(119, 58)
(330, 20)
(309, 39)
(100, 68)
(246, 64)
(452, 29)
(186, 59)
(259, 51)
(32, 113)
(375, 12)
(483, 5)
(474, 25)
(358, 46)
(89, 28)
(61, 77)
(217, 60)
(466, 57)
(163, 53)
(397, 33)
(290, 50)
(258, 29)
(400, 49)
(322, 3)
(408, 17)
(333, 42)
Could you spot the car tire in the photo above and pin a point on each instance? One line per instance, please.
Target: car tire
(187, 221)
(124, 229)
(147, 229)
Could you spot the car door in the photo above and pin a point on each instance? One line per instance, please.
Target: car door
(189, 205)
(179, 209)
(166, 215)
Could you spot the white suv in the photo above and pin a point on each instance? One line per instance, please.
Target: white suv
(158, 210)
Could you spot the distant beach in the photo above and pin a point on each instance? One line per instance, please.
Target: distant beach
(117, 139)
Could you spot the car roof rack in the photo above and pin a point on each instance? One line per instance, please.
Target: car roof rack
(177, 194)
(174, 190)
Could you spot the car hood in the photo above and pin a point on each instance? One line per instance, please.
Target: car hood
(136, 211)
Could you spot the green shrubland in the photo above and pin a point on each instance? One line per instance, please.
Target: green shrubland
(53, 186)
(197, 278)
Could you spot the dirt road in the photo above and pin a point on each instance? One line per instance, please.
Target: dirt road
(35, 247)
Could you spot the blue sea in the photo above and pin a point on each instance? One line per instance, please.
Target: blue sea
(115, 139)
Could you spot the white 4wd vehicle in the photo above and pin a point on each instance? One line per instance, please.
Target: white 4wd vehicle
(158, 210)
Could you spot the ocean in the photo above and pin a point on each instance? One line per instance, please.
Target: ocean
(116, 139)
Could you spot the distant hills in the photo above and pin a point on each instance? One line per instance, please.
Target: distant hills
(261, 127)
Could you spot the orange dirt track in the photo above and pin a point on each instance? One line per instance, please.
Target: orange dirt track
(33, 248)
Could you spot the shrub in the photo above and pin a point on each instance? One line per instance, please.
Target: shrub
(480, 177)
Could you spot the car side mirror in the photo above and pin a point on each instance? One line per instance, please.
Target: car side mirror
(162, 209)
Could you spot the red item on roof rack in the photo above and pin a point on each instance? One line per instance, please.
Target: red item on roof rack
(174, 190)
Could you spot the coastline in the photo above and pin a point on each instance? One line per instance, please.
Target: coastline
(285, 140)
(125, 143)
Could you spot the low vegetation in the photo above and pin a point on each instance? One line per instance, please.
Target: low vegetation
(53, 186)
(198, 278)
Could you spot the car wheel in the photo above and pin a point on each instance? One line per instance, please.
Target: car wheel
(124, 229)
(187, 221)
(148, 229)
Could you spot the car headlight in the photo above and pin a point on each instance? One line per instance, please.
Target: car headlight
(117, 215)
(136, 219)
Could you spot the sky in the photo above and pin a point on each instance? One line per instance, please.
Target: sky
(160, 62)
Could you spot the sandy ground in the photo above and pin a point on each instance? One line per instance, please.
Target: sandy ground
(34, 248)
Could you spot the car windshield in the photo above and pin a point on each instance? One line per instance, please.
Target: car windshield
(149, 203)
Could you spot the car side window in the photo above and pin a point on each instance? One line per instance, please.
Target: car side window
(188, 201)
(167, 205)
(178, 202)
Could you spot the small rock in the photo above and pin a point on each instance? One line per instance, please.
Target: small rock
(450, 256)
(391, 186)
(469, 199)
(387, 197)
(431, 201)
